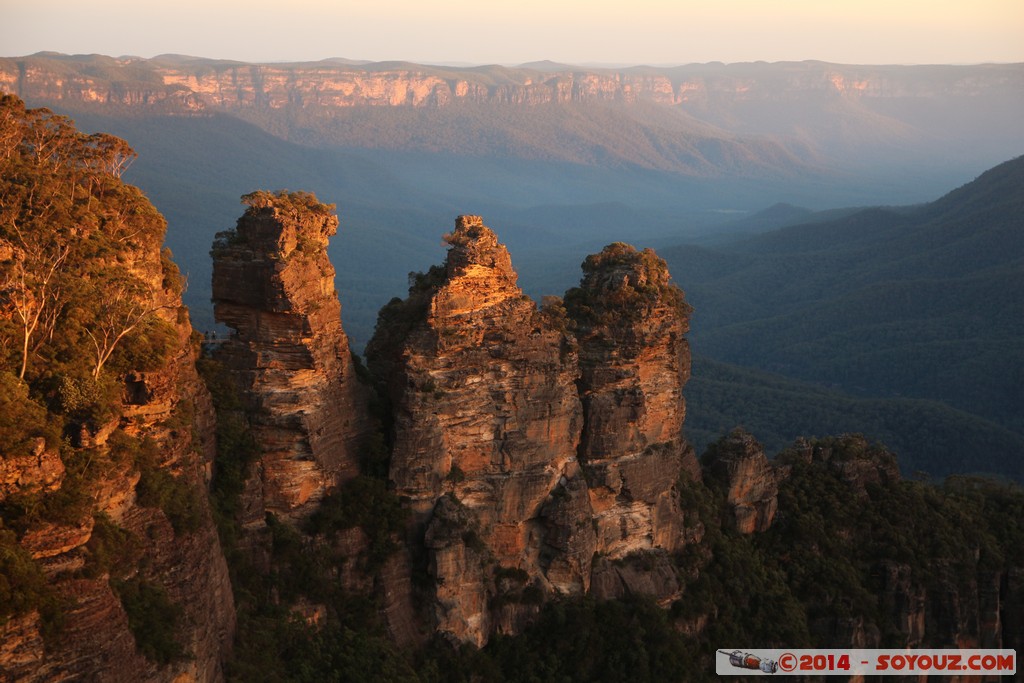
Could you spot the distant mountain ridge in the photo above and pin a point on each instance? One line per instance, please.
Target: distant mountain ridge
(702, 120)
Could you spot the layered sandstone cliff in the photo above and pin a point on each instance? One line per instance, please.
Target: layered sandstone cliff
(519, 484)
(166, 413)
(751, 481)
(274, 286)
(486, 424)
(201, 85)
(630, 323)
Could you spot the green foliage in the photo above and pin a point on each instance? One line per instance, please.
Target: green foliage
(22, 420)
(295, 203)
(367, 503)
(23, 586)
(173, 281)
(148, 349)
(88, 400)
(159, 488)
(236, 449)
(112, 549)
(153, 618)
(68, 505)
(924, 303)
(350, 645)
(575, 640)
(928, 436)
(75, 284)
(301, 566)
(839, 541)
(554, 313)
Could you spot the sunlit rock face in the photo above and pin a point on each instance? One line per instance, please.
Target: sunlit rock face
(751, 481)
(274, 286)
(630, 322)
(486, 415)
(516, 483)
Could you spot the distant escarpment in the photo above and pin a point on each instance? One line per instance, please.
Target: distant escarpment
(274, 286)
(704, 120)
(110, 564)
(492, 444)
(196, 83)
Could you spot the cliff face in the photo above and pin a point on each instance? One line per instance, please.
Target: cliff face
(751, 481)
(95, 641)
(197, 84)
(274, 286)
(630, 323)
(107, 430)
(486, 419)
(517, 482)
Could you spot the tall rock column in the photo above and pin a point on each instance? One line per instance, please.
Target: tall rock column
(274, 285)
(630, 322)
(486, 426)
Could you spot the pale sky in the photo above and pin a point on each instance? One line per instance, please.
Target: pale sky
(496, 31)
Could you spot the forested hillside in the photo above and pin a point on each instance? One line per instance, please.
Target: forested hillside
(919, 302)
(929, 437)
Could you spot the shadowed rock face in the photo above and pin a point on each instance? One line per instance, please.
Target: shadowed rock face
(630, 323)
(274, 285)
(751, 481)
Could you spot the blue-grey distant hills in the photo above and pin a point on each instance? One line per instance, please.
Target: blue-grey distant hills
(920, 305)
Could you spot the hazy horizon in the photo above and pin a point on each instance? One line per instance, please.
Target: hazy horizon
(458, 32)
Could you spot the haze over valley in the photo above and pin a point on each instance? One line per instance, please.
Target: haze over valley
(565, 159)
(561, 351)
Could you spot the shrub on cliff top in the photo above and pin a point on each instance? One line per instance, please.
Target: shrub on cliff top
(293, 202)
(646, 283)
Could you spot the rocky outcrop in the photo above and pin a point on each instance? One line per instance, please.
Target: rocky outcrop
(751, 482)
(274, 286)
(39, 470)
(518, 484)
(630, 324)
(170, 408)
(486, 418)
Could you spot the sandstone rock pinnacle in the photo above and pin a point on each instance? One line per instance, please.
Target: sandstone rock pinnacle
(630, 322)
(274, 285)
(486, 415)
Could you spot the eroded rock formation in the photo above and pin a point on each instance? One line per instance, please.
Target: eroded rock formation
(274, 285)
(630, 323)
(751, 481)
(486, 416)
(485, 392)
